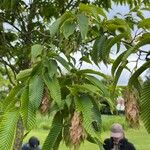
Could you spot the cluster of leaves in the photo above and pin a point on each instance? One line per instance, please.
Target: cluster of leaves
(106, 34)
(86, 29)
(24, 23)
(77, 91)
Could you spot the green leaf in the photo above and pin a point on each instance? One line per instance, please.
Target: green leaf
(36, 50)
(145, 23)
(119, 25)
(117, 75)
(13, 3)
(8, 129)
(36, 87)
(54, 88)
(63, 62)
(112, 42)
(54, 133)
(11, 98)
(68, 27)
(51, 66)
(87, 88)
(117, 63)
(54, 28)
(140, 15)
(105, 55)
(85, 59)
(99, 84)
(85, 106)
(27, 110)
(92, 9)
(24, 74)
(98, 48)
(96, 115)
(90, 71)
(138, 72)
(58, 141)
(83, 25)
(143, 41)
(145, 105)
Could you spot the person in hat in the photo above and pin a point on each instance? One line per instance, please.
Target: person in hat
(117, 140)
(33, 144)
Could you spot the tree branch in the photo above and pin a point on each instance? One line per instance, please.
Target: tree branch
(9, 77)
(7, 64)
(10, 23)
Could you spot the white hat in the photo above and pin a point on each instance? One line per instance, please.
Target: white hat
(116, 130)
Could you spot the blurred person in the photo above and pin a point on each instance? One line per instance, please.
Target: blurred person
(33, 144)
(117, 140)
(120, 106)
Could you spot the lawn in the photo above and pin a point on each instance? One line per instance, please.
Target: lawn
(139, 137)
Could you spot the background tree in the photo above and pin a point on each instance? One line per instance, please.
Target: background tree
(23, 23)
(72, 95)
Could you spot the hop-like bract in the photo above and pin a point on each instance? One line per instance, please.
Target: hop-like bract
(77, 133)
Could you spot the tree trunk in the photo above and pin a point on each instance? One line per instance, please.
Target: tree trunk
(19, 135)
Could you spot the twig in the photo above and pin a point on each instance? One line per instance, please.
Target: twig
(9, 77)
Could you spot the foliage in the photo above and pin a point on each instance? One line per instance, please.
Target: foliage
(38, 51)
(145, 104)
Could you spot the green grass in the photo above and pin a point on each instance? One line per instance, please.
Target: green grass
(139, 137)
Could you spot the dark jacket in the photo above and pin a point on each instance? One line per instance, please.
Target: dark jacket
(123, 144)
(27, 147)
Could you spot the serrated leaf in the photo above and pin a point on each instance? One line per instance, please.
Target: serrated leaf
(8, 129)
(140, 15)
(138, 72)
(36, 50)
(117, 75)
(145, 23)
(117, 63)
(105, 56)
(54, 133)
(98, 48)
(118, 24)
(87, 88)
(90, 71)
(11, 98)
(145, 39)
(54, 28)
(145, 105)
(27, 110)
(92, 9)
(112, 42)
(13, 3)
(83, 25)
(36, 87)
(96, 115)
(99, 84)
(24, 73)
(51, 66)
(54, 88)
(85, 106)
(63, 62)
(85, 59)
(68, 27)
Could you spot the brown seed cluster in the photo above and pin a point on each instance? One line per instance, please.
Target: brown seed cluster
(45, 104)
(131, 108)
(77, 133)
